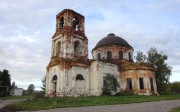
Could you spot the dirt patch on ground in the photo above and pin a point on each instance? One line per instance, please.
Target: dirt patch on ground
(4, 103)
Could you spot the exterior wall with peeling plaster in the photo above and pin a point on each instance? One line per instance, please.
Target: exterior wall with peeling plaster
(97, 71)
(115, 52)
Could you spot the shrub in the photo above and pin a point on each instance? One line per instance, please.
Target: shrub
(175, 87)
(125, 93)
(110, 84)
(39, 95)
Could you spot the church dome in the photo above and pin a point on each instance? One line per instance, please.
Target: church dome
(112, 39)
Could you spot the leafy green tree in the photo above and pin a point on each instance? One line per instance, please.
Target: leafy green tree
(110, 84)
(31, 88)
(140, 57)
(43, 84)
(5, 80)
(162, 70)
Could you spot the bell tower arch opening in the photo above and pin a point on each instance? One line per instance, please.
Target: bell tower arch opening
(75, 24)
(61, 23)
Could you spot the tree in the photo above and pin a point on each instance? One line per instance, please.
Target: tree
(162, 70)
(31, 88)
(13, 86)
(110, 84)
(43, 84)
(175, 87)
(140, 57)
(5, 80)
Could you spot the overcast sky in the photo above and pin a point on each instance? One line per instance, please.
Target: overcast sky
(27, 27)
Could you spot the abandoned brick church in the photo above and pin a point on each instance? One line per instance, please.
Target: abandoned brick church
(71, 73)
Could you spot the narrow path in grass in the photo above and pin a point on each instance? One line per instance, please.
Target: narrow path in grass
(158, 106)
(4, 103)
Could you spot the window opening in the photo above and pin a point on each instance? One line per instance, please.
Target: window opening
(141, 83)
(79, 77)
(120, 55)
(75, 23)
(109, 55)
(61, 23)
(58, 48)
(99, 56)
(129, 54)
(151, 83)
(129, 83)
(76, 48)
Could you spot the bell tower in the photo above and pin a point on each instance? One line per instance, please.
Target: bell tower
(69, 57)
(69, 40)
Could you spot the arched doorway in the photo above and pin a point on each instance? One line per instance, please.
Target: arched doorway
(80, 85)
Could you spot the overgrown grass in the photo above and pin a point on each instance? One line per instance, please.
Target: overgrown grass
(176, 109)
(49, 103)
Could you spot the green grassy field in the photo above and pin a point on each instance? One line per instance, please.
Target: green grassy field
(177, 109)
(49, 103)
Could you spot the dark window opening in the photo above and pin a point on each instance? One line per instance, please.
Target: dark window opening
(79, 77)
(130, 58)
(75, 24)
(129, 83)
(129, 54)
(109, 55)
(54, 78)
(99, 56)
(120, 55)
(141, 83)
(151, 83)
(61, 23)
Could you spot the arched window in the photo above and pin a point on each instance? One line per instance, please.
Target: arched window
(129, 54)
(58, 48)
(76, 48)
(109, 55)
(75, 23)
(79, 77)
(61, 23)
(120, 55)
(99, 56)
(54, 78)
